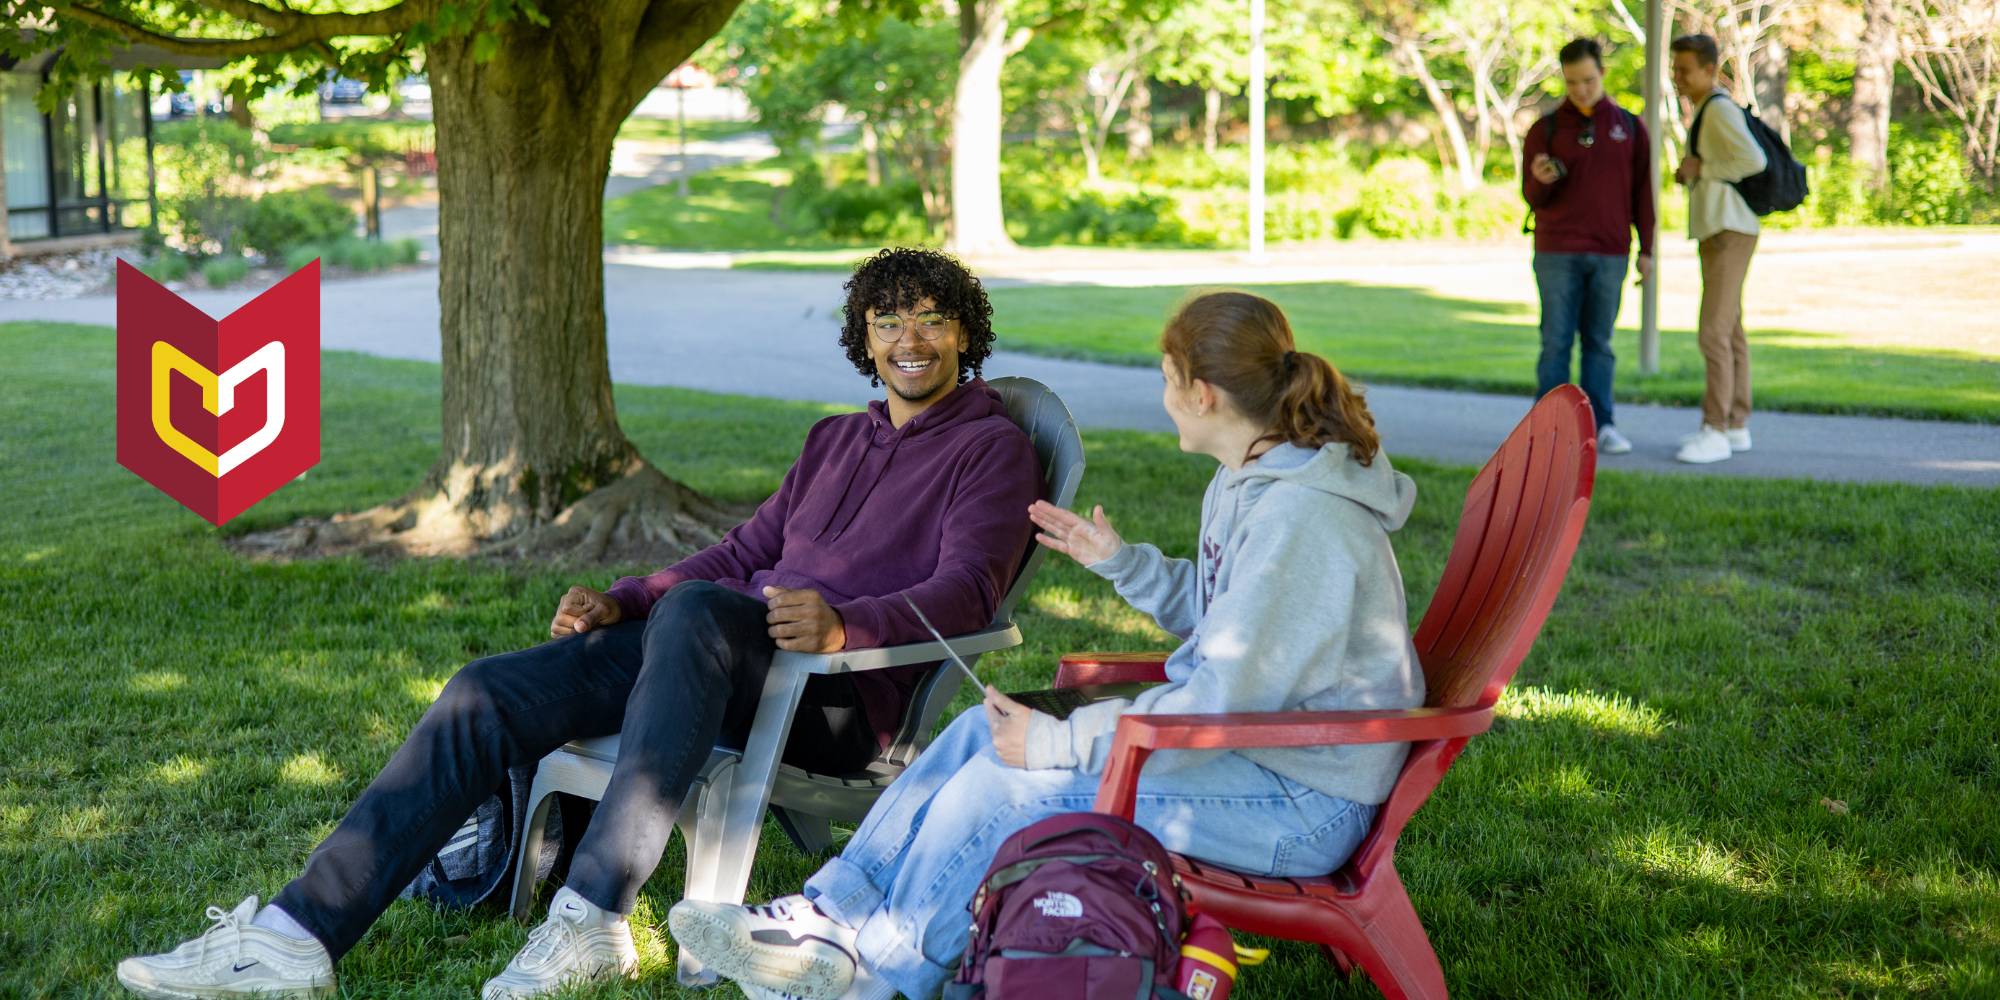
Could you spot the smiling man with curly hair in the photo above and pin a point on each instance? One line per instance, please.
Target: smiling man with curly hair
(904, 289)
(922, 498)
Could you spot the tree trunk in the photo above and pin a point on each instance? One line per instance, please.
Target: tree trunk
(871, 153)
(976, 222)
(1874, 81)
(1454, 130)
(1139, 122)
(533, 460)
(1211, 119)
(1773, 71)
(1087, 138)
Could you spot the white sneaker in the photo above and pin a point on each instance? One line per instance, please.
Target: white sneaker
(1739, 438)
(1707, 445)
(578, 943)
(786, 945)
(1610, 442)
(233, 959)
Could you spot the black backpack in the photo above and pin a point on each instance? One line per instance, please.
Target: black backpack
(1781, 185)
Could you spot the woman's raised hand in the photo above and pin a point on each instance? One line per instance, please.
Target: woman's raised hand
(1086, 541)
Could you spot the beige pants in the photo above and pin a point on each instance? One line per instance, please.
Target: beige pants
(1725, 263)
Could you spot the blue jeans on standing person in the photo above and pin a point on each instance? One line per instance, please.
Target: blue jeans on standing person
(1580, 293)
(904, 880)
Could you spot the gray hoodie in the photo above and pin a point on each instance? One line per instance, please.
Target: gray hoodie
(1296, 604)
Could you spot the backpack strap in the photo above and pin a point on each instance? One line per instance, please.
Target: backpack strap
(1694, 128)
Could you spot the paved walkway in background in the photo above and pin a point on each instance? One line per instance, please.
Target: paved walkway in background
(676, 319)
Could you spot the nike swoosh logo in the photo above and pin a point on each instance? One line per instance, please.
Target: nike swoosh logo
(240, 968)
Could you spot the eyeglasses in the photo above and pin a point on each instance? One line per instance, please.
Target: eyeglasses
(888, 327)
(1589, 136)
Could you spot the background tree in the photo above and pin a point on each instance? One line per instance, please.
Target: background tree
(1509, 48)
(527, 99)
(1870, 105)
(1413, 34)
(795, 59)
(1952, 50)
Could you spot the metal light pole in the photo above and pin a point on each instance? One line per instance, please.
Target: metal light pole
(1649, 296)
(1256, 129)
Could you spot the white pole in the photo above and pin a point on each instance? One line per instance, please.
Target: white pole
(1256, 129)
(681, 156)
(1649, 296)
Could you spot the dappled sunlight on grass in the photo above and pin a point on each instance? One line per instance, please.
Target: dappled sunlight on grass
(430, 602)
(1604, 713)
(79, 824)
(309, 769)
(423, 690)
(178, 770)
(1675, 855)
(158, 681)
(37, 555)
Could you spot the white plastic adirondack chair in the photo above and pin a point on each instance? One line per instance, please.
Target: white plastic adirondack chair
(724, 815)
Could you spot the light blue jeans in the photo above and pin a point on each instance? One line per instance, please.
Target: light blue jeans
(905, 879)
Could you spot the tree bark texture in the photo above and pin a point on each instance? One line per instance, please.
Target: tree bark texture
(529, 428)
(1874, 83)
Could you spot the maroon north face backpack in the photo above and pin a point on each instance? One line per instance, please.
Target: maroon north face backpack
(1080, 905)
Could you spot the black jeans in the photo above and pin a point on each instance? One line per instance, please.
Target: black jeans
(676, 684)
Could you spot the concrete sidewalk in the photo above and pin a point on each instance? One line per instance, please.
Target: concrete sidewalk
(678, 320)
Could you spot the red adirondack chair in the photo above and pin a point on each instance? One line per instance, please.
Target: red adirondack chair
(1522, 517)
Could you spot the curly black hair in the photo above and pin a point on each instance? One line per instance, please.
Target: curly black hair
(900, 277)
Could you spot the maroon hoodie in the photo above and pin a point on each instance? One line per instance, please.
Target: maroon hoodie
(936, 509)
(1606, 192)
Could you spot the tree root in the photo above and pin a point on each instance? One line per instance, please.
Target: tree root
(642, 517)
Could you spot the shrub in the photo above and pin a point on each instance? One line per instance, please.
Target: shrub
(362, 138)
(285, 219)
(1927, 178)
(1838, 192)
(355, 253)
(204, 167)
(1399, 199)
(222, 271)
(1491, 210)
(166, 266)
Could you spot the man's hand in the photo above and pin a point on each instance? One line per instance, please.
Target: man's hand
(1545, 169)
(1644, 265)
(1086, 542)
(802, 622)
(582, 608)
(1689, 169)
(1008, 719)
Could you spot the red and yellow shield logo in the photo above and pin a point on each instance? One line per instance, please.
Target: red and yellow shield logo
(218, 413)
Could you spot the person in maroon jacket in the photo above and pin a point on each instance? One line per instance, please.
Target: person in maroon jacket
(1586, 172)
(922, 496)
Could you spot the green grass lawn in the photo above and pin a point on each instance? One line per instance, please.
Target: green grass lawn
(1415, 337)
(729, 208)
(1393, 335)
(669, 130)
(1645, 820)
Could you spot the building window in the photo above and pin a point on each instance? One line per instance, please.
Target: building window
(26, 157)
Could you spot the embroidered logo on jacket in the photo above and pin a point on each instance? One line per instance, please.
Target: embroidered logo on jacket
(1059, 904)
(1211, 554)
